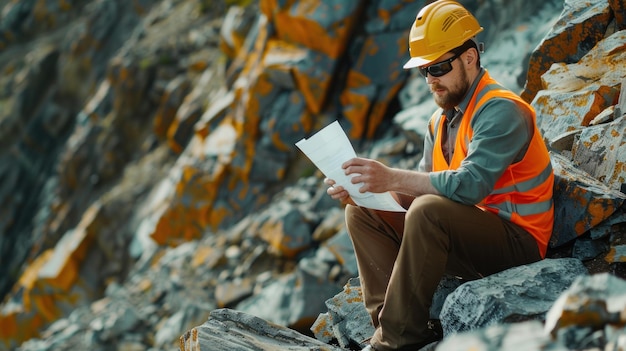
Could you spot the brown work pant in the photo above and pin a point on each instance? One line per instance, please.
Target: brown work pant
(402, 258)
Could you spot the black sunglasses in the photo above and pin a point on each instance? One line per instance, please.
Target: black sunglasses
(440, 68)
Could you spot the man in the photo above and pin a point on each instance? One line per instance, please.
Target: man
(480, 203)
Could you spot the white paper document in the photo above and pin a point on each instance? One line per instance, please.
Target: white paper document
(328, 149)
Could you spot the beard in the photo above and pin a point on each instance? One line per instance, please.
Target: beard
(454, 95)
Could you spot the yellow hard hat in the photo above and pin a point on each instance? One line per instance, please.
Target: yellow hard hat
(439, 27)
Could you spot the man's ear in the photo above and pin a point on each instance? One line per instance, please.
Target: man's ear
(471, 55)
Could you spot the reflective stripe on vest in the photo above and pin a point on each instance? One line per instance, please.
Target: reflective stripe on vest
(523, 194)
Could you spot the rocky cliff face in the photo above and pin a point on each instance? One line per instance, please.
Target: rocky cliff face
(150, 179)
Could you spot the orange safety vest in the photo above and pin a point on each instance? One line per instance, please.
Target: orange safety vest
(523, 194)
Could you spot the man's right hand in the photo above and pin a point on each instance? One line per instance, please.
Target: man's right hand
(338, 192)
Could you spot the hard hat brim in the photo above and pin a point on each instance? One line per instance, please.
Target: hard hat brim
(416, 62)
(421, 61)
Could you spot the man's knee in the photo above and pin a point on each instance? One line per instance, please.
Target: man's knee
(427, 222)
(427, 206)
(353, 216)
(351, 213)
(350, 209)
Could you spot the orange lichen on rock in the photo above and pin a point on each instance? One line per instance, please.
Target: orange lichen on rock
(597, 211)
(357, 105)
(379, 109)
(50, 285)
(562, 47)
(313, 88)
(616, 254)
(285, 244)
(189, 214)
(356, 108)
(321, 330)
(301, 28)
(175, 226)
